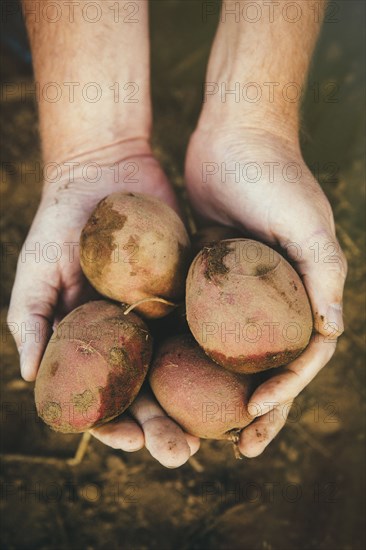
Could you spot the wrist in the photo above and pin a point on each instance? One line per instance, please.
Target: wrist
(78, 131)
(96, 169)
(251, 102)
(257, 69)
(221, 123)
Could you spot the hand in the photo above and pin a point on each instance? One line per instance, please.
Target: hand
(50, 283)
(271, 194)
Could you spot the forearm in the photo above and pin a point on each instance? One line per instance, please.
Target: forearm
(271, 48)
(87, 75)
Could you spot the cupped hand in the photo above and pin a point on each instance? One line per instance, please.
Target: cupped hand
(49, 284)
(259, 182)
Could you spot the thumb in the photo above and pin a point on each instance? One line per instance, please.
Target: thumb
(30, 319)
(323, 268)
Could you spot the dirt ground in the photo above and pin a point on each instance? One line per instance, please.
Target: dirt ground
(306, 490)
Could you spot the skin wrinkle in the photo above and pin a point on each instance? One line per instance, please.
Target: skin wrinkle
(90, 153)
(63, 183)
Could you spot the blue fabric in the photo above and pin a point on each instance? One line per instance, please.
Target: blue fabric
(14, 35)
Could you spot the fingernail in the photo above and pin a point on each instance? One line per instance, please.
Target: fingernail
(21, 361)
(335, 315)
(256, 409)
(253, 410)
(135, 449)
(23, 365)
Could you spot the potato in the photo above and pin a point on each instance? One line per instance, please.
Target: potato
(134, 247)
(93, 367)
(246, 306)
(204, 399)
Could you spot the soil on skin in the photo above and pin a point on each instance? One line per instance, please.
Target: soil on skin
(213, 257)
(306, 490)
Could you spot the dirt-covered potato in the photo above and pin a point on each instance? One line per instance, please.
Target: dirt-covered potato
(246, 306)
(93, 367)
(134, 248)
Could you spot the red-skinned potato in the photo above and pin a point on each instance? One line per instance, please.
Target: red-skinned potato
(134, 248)
(93, 367)
(246, 306)
(204, 399)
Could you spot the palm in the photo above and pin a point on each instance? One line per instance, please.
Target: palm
(254, 177)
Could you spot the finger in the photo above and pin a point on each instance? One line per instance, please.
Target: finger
(164, 439)
(255, 437)
(287, 382)
(30, 319)
(323, 268)
(124, 434)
